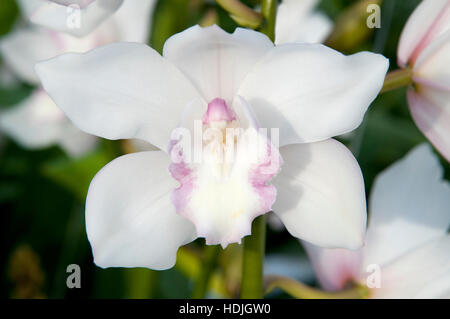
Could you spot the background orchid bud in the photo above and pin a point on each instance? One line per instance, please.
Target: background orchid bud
(424, 47)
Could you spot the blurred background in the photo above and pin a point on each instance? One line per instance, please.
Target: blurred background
(42, 191)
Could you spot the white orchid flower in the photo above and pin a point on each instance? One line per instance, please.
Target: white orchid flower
(406, 254)
(37, 122)
(137, 215)
(298, 21)
(425, 46)
(75, 17)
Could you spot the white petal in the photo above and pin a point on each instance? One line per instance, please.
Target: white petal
(35, 123)
(24, 47)
(75, 142)
(130, 218)
(121, 90)
(297, 22)
(21, 49)
(437, 288)
(430, 109)
(409, 206)
(38, 123)
(318, 27)
(76, 17)
(291, 19)
(133, 20)
(312, 92)
(214, 60)
(418, 273)
(334, 268)
(321, 194)
(429, 20)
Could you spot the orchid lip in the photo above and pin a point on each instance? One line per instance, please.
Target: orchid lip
(229, 187)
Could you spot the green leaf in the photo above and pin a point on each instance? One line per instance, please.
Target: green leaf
(173, 16)
(9, 12)
(76, 175)
(140, 283)
(9, 97)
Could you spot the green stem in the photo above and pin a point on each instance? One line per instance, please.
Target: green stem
(242, 14)
(210, 260)
(252, 260)
(397, 79)
(209, 18)
(302, 291)
(269, 12)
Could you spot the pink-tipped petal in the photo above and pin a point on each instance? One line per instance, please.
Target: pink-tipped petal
(334, 268)
(431, 68)
(430, 110)
(429, 20)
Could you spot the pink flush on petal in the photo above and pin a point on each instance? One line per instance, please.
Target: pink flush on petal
(181, 195)
(218, 110)
(261, 175)
(335, 268)
(436, 29)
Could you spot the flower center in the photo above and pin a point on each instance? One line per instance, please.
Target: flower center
(228, 186)
(221, 130)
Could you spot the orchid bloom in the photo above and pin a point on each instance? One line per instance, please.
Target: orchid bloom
(406, 252)
(425, 47)
(37, 122)
(137, 215)
(56, 14)
(297, 21)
